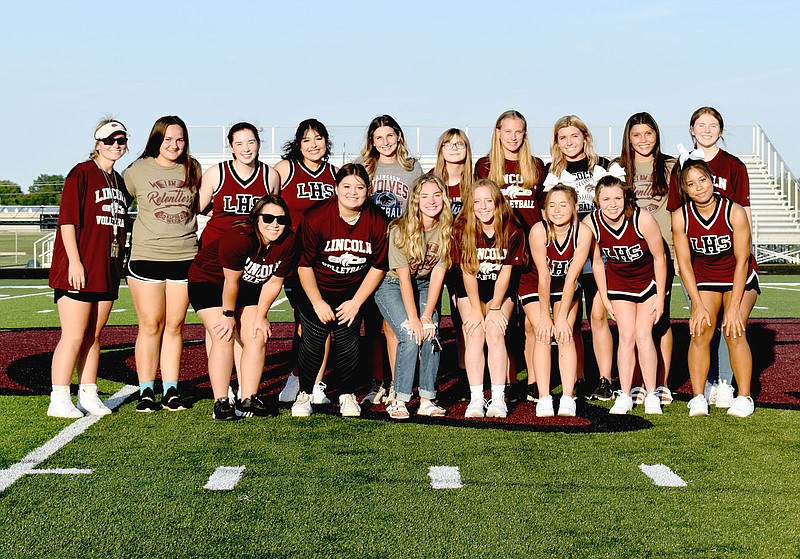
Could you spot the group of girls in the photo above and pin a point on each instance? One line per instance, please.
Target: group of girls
(517, 244)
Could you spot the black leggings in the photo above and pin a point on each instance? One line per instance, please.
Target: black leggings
(344, 348)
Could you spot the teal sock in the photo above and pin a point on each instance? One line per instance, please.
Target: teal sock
(168, 385)
(144, 385)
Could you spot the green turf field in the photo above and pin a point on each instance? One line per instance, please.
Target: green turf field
(29, 303)
(330, 487)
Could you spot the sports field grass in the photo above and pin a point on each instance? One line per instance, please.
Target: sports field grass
(29, 304)
(132, 485)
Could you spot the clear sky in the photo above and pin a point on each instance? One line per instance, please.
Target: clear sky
(66, 64)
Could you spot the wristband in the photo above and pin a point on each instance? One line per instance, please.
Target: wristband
(228, 314)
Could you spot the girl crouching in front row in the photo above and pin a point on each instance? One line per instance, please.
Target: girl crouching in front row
(408, 297)
(631, 283)
(560, 245)
(488, 245)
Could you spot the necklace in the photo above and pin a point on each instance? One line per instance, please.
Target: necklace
(114, 226)
(352, 220)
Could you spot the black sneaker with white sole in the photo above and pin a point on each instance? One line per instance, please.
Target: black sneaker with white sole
(171, 400)
(147, 401)
(253, 406)
(225, 411)
(603, 391)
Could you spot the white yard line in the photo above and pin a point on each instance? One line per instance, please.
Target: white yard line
(445, 477)
(278, 302)
(49, 293)
(36, 457)
(662, 475)
(224, 478)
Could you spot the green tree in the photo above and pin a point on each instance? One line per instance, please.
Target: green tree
(45, 190)
(10, 193)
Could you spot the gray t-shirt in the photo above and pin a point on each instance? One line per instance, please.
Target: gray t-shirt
(391, 184)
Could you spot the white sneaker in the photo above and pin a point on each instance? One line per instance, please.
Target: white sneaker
(496, 407)
(476, 408)
(318, 395)
(89, 401)
(710, 392)
(742, 406)
(291, 390)
(302, 405)
(652, 404)
(375, 394)
(638, 395)
(544, 407)
(348, 406)
(698, 406)
(724, 395)
(62, 406)
(567, 407)
(622, 405)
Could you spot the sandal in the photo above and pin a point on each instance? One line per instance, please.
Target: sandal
(664, 395)
(638, 394)
(397, 410)
(429, 409)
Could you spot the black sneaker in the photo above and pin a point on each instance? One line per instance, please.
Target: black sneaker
(147, 401)
(516, 393)
(171, 400)
(225, 411)
(253, 406)
(533, 393)
(603, 391)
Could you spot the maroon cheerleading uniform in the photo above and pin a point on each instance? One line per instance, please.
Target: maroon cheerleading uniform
(711, 245)
(303, 188)
(524, 201)
(339, 253)
(491, 261)
(630, 273)
(559, 257)
(233, 199)
(239, 249)
(730, 180)
(95, 203)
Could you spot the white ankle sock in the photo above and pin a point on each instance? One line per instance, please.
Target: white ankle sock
(476, 391)
(498, 391)
(60, 390)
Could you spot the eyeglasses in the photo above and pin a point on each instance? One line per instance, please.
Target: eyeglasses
(121, 140)
(454, 146)
(269, 218)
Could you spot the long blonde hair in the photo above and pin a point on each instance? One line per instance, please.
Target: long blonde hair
(468, 227)
(497, 159)
(559, 160)
(370, 155)
(572, 196)
(440, 170)
(410, 235)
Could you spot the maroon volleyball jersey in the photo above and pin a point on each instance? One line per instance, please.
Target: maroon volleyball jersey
(629, 263)
(523, 200)
(239, 249)
(303, 188)
(490, 258)
(95, 203)
(711, 245)
(234, 197)
(454, 192)
(339, 253)
(730, 180)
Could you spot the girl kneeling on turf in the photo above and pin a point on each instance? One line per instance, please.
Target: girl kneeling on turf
(488, 246)
(560, 245)
(712, 244)
(631, 283)
(233, 281)
(408, 297)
